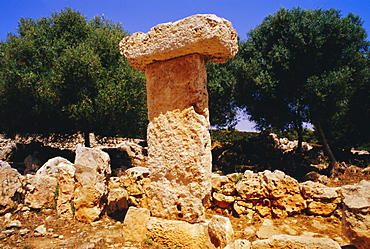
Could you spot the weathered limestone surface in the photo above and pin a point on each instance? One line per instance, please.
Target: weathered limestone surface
(92, 175)
(64, 171)
(239, 244)
(280, 193)
(356, 213)
(173, 56)
(178, 234)
(41, 191)
(135, 224)
(206, 34)
(10, 186)
(220, 231)
(288, 241)
(179, 145)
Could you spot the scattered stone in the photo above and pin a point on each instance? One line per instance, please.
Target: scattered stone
(288, 241)
(89, 245)
(288, 230)
(6, 233)
(220, 231)
(356, 213)
(24, 231)
(25, 209)
(249, 232)
(14, 224)
(40, 230)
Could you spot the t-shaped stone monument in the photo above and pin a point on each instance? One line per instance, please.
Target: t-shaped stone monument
(173, 57)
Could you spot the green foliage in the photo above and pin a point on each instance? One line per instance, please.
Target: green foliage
(64, 74)
(230, 135)
(221, 83)
(301, 66)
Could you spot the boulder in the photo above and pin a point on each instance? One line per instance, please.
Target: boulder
(178, 234)
(135, 224)
(289, 241)
(66, 182)
(315, 190)
(92, 176)
(356, 213)
(57, 174)
(10, 187)
(42, 191)
(221, 200)
(220, 231)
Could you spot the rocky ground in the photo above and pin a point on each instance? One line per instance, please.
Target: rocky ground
(25, 226)
(44, 229)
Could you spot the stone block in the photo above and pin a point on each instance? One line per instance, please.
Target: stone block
(92, 176)
(205, 34)
(220, 231)
(135, 224)
(178, 234)
(356, 213)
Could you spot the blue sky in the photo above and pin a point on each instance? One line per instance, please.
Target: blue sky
(141, 15)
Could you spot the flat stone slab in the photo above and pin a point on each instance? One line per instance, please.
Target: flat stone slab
(206, 34)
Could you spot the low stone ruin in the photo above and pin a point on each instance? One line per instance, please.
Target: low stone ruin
(166, 201)
(254, 196)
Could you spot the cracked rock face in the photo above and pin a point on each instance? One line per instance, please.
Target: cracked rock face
(356, 213)
(173, 57)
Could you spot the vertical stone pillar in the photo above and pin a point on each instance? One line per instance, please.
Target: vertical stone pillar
(173, 56)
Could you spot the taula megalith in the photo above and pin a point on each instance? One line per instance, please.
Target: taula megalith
(173, 57)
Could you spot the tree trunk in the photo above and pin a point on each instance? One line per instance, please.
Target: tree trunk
(300, 139)
(325, 144)
(87, 138)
